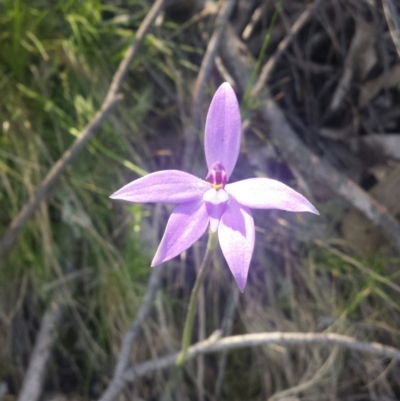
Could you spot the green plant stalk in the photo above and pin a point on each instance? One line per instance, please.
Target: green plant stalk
(187, 331)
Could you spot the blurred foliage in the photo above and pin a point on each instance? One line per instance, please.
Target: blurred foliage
(56, 63)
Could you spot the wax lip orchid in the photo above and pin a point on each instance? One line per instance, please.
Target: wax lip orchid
(223, 206)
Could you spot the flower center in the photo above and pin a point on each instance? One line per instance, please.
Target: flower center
(217, 176)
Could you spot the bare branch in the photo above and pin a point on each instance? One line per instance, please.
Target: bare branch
(111, 99)
(124, 357)
(36, 373)
(360, 59)
(393, 20)
(299, 155)
(213, 344)
(314, 167)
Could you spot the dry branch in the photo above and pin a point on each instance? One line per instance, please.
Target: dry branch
(36, 373)
(124, 357)
(393, 19)
(111, 99)
(297, 154)
(360, 59)
(213, 344)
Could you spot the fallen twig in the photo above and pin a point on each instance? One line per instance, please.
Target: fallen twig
(393, 20)
(36, 373)
(124, 357)
(213, 344)
(360, 59)
(111, 99)
(299, 155)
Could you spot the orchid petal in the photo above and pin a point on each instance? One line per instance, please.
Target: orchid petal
(236, 237)
(186, 225)
(169, 186)
(223, 129)
(264, 193)
(215, 205)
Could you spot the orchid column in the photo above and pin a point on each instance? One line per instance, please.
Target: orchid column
(222, 206)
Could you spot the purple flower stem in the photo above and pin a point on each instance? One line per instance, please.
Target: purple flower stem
(187, 331)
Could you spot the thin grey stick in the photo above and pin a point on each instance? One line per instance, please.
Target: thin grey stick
(204, 73)
(130, 336)
(393, 21)
(36, 373)
(111, 99)
(213, 344)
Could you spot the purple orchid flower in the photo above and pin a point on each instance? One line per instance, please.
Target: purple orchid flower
(223, 206)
